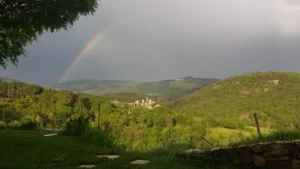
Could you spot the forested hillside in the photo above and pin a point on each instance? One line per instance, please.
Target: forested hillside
(163, 91)
(230, 103)
(222, 112)
(24, 106)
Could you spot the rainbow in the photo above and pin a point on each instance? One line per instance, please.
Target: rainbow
(83, 51)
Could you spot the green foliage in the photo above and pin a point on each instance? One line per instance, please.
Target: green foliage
(28, 125)
(230, 103)
(2, 125)
(76, 127)
(93, 118)
(280, 135)
(14, 124)
(27, 20)
(221, 113)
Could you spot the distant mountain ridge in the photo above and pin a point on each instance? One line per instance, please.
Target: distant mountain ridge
(165, 89)
(7, 79)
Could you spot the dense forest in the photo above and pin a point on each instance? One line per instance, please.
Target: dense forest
(230, 103)
(26, 106)
(221, 113)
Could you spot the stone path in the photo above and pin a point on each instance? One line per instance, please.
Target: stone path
(140, 162)
(86, 166)
(108, 156)
(137, 162)
(47, 135)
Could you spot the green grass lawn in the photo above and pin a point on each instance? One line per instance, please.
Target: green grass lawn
(31, 149)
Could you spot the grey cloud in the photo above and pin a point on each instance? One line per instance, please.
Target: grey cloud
(154, 40)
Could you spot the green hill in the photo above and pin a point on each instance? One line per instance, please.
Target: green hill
(220, 112)
(230, 103)
(165, 90)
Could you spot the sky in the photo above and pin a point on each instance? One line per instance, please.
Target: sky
(166, 39)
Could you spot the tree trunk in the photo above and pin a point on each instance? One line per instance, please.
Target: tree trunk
(54, 113)
(3, 113)
(40, 117)
(98, 116)
(257, 125)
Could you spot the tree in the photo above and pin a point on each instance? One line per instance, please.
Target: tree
(87, 103)
(22, 21)
(72, 99)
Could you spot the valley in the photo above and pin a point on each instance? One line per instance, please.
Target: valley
(163, 91)
(149, 84)
(220, 114)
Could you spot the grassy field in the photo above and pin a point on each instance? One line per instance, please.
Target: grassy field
(31, 149)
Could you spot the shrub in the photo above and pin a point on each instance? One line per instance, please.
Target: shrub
(80, 127)
(2, 125)
(76, 127)
(15, 124)
(28, 125)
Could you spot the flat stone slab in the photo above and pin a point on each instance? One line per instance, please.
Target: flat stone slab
(48, 135)
(87, 166)
(108, 156)
(193, 151)
(140, 162)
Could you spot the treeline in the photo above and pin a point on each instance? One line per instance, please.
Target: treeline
(25, 106)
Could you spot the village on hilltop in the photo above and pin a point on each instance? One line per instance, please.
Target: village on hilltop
(148, 103)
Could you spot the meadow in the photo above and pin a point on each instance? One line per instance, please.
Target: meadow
(32, 150)
(23, 149)
(219, 115)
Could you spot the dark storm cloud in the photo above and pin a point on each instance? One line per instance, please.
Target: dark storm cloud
(152, 40)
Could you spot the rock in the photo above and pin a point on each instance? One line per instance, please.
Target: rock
(285, 158)
(193, 151)
(279, 164)
(296, 142)
(276, 153)
(296, 164)
(246, 155)
(267, 154)
(86, 166)
(141, 162)
(108, 156)
(259, 161)
(270, 154)
(202, 154)
(280, 153)
(256, 149)
(275, 146)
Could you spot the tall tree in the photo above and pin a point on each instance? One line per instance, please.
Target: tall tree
(98, 115)
(88, 106)
(72, 99)
(22, 21)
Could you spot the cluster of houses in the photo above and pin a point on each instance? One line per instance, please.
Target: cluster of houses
(148, 103)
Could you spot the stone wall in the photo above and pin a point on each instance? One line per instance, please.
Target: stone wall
(270, 155)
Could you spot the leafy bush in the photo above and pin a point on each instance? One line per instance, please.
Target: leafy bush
(15, 124)
(28, 125)
(81, 128)
(2, 125)
(76, 127)
(101, 138)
